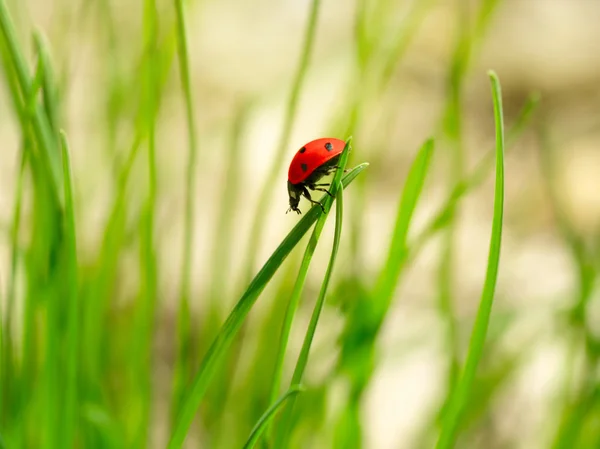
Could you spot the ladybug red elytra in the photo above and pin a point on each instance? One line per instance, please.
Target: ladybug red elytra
(313, 161)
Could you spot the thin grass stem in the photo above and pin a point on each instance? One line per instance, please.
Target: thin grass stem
(218, 350)
(257, 228)
(182, 370)
(283, 434)
(462, 390)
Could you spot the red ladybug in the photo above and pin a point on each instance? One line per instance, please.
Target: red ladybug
(313, 161)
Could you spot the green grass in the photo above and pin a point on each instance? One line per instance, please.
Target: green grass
(237, 316)
(102, 346)
(269, 415)
(71, 415)
(462, 390)
(183, 371)
(297, 292)
(284, 431)
(257, 228)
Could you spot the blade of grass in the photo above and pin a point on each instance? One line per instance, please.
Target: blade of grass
(461, 392)
(475, 178)
(580, 253)
(144, 326)
(219, 347)
(222, 394)
(578, 401)
(50, 94)
(71, 389)
(9, 370)
(283, 436)
(257, 228)
(292, 306)
(390, 272)
(97, 301)
(452, 125)
(267, 417)
(41, 126)
(41, 291)
(182, 370)
(57, 422)
(368, 312)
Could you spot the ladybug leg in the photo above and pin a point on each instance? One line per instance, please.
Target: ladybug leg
(335, 167)
(314, 187)
(306, 193)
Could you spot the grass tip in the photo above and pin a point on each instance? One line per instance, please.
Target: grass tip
(492, 74)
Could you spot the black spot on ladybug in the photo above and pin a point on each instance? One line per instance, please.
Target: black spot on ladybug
(302, 150)
(328, 146)
(304, 167)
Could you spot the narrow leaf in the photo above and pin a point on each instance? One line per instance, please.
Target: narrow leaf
(461, 393)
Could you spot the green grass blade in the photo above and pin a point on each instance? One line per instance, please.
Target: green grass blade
(71, 389)
(390, 272)
(49, 91)
(41, 126)
(292, 306)
(461, 392)
(476, 177)
(336, 191)
(141, 350)
(268, 416)
(368, 313)
(182, 368)
(220, 288)
(219, 347)
(288, 417)
(14, 243)
(98, 299)
(258, 227)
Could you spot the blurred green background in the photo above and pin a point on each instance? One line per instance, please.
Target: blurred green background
(101, 338)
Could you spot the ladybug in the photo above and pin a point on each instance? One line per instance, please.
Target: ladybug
(313, 161)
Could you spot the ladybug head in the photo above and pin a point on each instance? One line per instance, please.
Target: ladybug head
(294, 192)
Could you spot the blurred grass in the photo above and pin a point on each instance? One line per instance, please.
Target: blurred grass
(257, 228)
(83, 330)
(580, 402)
(185, 355)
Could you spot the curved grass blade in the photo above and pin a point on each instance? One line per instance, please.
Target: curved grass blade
(388, 277)
(287, 422)
(297, 292)
(269, 415)
(300, 279)
(217, 351)
(460, 395)
(182, 370)
(478, 175)
(257, 229)
(39, 120)
(368, 312)
(71, 402)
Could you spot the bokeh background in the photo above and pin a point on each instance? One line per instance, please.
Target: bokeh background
(391, 73)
